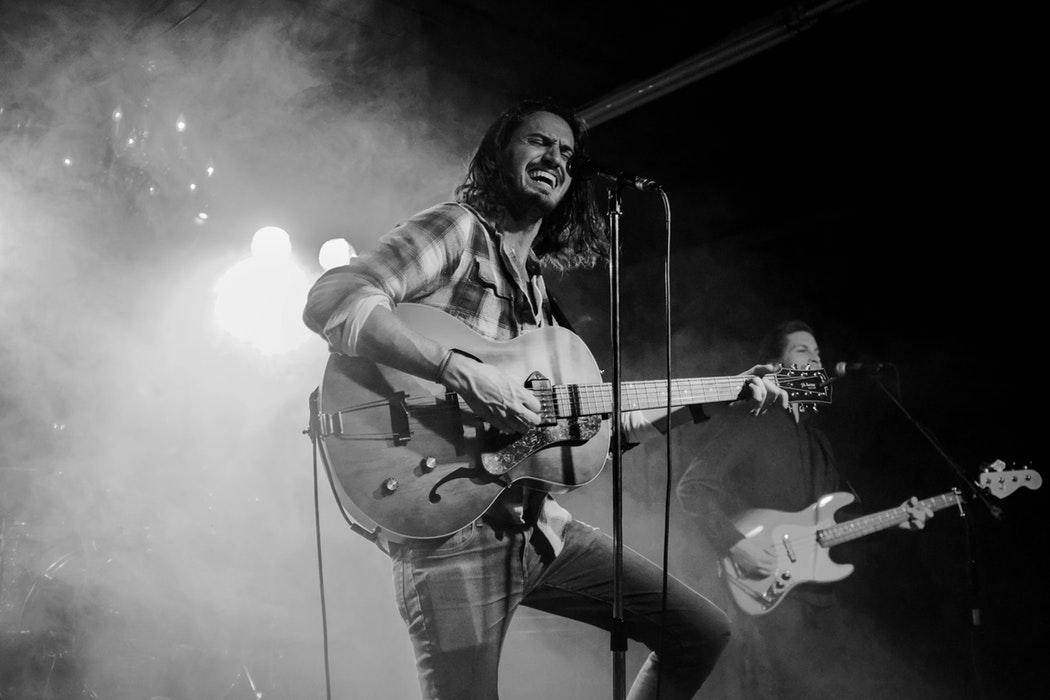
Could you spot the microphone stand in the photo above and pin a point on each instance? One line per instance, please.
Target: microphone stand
(618, 637)
(975, 494)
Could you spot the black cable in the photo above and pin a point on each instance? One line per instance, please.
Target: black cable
(667, 434)
(185, 16)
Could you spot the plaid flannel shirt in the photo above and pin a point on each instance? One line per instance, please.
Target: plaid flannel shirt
(448, 257)
(451, 258)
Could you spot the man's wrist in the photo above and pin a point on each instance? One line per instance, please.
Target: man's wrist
(447, 361)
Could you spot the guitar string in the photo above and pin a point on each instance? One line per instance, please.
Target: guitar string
(590, 399)
(851, 529)
(575, 399)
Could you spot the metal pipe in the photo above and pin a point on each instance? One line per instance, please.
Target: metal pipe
(775, 29)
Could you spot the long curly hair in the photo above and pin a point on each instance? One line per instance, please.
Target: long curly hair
(573, 235)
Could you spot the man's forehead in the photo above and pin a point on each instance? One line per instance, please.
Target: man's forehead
(801, 338)
(547, 124)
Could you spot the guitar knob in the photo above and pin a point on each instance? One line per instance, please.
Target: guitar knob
(785, 575)
(390, 486)
(428, 465)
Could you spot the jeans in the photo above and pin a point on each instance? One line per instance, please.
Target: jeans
(458, 597)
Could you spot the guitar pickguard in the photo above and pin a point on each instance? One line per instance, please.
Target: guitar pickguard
(566, 431)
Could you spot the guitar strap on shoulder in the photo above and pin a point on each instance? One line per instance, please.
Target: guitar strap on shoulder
(557, 313)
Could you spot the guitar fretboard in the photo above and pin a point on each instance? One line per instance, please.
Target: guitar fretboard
(853, 529)
(592, 399)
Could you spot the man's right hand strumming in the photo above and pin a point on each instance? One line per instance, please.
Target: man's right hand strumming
(493, 396)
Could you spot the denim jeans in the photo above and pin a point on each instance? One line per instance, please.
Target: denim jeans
(458, 596)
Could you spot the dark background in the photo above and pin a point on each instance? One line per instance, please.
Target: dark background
(874, 174)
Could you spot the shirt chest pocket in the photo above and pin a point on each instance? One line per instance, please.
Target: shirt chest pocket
(489, 279)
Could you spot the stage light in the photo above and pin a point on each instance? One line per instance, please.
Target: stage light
(260, 299)
(271, 243)
(335, 252)
(261, 302)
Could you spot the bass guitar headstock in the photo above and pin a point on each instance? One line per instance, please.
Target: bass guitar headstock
(1001, 482)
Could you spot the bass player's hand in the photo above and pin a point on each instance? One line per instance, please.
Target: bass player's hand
(753, 558)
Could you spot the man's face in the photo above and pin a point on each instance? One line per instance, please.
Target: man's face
(801, 351)
(536, 160)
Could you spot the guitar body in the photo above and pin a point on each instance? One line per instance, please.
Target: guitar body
(800, 557)
(802, 540)
(408, 460)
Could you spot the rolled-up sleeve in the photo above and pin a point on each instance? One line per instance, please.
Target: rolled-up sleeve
(406, 263)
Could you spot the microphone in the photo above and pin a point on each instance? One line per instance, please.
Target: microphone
(854, 369)
(583, 168)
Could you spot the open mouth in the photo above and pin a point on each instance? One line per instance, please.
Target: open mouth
(544, 176)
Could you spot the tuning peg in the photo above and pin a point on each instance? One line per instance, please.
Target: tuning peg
(996, 466)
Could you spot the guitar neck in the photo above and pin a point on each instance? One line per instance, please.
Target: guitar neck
(594, 399)
(870, 524)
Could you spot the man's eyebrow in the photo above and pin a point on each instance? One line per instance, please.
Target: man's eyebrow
(550, 138)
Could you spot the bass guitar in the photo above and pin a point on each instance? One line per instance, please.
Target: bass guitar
(802, 540)
(409, 461)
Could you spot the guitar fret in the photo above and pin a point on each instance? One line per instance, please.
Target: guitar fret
(591, 399)
(859, 527)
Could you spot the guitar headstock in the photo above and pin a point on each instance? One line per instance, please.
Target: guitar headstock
(805, 386)
(1000, 482)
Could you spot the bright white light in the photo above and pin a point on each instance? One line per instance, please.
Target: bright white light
(271, 243)
(180, 124)
(335, 252)
(260, 301)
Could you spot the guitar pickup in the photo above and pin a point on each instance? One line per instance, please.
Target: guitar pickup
(541, 387)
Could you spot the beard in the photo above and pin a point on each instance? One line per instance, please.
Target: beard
(523, 204)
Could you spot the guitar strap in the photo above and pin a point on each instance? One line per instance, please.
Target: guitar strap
(557, 313)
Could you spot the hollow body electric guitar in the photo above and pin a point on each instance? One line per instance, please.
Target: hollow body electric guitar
(409, 461)
(802, 540)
